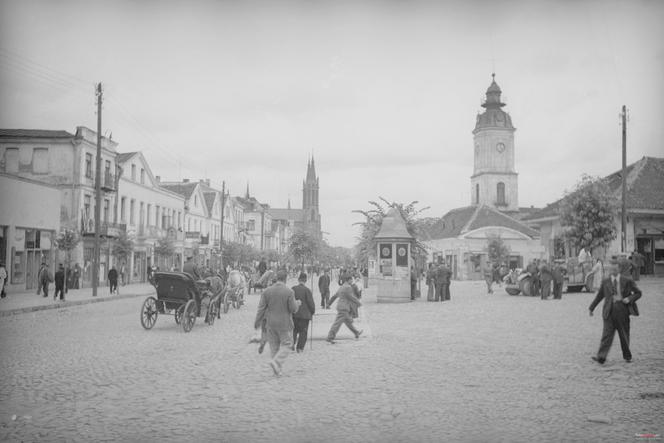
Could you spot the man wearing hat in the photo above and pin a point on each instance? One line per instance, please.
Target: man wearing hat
(620, 294)
(60, 283)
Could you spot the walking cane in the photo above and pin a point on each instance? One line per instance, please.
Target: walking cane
(311, 336)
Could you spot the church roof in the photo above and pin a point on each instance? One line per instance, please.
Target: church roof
(286, 214)
(460, 221)
(393, 226)
(494, 116)
(645, 181)
(311, 170)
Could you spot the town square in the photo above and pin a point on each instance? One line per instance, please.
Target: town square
(313, 221)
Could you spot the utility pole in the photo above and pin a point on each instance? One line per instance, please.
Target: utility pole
(95, 257)
(623, 243)
(221, 234)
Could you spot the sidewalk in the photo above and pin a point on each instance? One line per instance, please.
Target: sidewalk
(22, 302)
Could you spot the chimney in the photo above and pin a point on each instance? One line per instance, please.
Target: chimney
(158, 178)
(185, 180)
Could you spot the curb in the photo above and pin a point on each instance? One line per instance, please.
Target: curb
(68, 304)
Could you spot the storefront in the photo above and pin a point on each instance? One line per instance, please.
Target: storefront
(27, 231)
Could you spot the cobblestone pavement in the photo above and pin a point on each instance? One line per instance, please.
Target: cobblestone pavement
(478, 368)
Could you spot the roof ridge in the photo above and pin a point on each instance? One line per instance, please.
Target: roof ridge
(469, 223)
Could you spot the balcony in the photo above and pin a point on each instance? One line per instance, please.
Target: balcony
(108, 182)
(110, 230)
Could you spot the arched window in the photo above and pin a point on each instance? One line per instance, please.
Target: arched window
(477, 194)
(500, 193)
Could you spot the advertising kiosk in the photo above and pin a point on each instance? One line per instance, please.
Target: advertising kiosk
(393, 243)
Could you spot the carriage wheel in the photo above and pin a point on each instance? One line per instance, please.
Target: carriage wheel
(227, 303)
(149, 313)
(178, 315)
(188, 316)
(212, 312)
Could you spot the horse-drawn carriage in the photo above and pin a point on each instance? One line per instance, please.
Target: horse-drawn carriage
(179, 295)
(234, 291)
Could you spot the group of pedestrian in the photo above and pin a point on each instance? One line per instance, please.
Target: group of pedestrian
(284, 315)
(438, 279)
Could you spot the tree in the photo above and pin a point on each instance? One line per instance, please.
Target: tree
(373, 219)
(67, 241)
(238, 254)
(497, 250)
(587, 214)
(164, 248)
(123, 247)
(303, 247)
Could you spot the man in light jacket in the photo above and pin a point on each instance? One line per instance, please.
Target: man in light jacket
(347, 306)
(277, 306)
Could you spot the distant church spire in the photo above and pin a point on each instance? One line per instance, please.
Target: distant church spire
(246, 194)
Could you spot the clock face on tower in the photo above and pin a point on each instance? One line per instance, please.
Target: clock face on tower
(500, 147)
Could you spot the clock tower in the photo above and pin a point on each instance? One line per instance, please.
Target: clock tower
(494, 181)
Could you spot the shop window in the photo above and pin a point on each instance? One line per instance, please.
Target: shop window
(11, 160)
(40, 161)
(18, 267)
(659, 250)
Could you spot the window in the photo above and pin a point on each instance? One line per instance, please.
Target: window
(40, 161)
(11, 160)
(142, 176)
(179, 219)
(88, 165)
(86, 206)
(477, 194)
(132, 215)
(123, 213)
(500, 193)
(133, 172)
(107, 205)
(251, 225)
(107, 172)
(149, 220)
(141, 214)
(156, 218)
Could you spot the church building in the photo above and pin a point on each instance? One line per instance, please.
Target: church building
(308, 218)
(461, 235)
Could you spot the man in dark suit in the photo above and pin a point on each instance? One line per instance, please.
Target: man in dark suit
(277, 307)
(620, 295)
(558, 280)
(545, 279)
(304, 313)
(324, 288)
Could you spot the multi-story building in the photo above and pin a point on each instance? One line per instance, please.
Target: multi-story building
(149, 212)
(258, 222)
(196, 220)
(67, 162)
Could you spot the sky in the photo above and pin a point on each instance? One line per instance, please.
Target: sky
(383, 94)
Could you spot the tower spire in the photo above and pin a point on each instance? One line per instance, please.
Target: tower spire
(246, 195)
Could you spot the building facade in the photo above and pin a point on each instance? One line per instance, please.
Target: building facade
(645, 217)
(68, 162)
(149, 213)
(28, 231)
